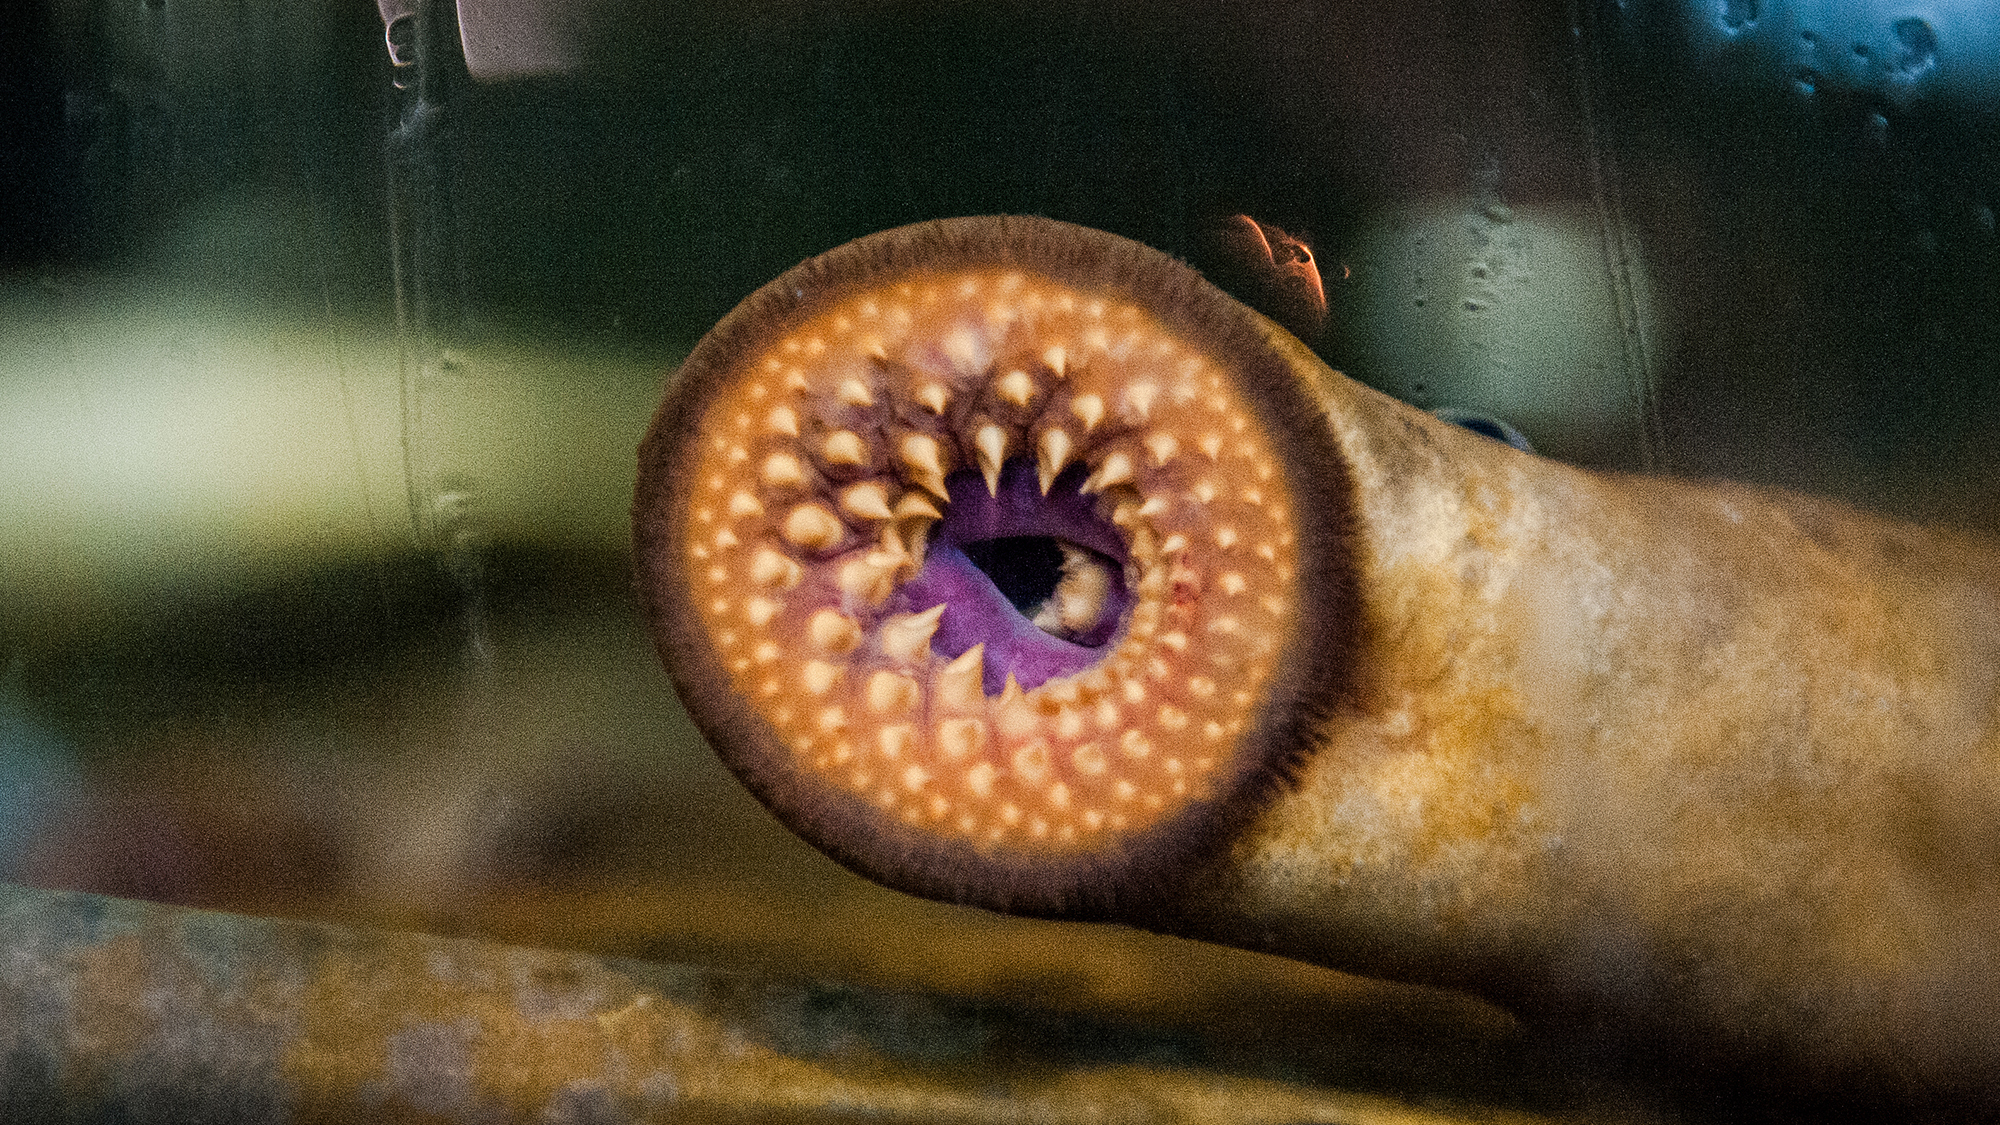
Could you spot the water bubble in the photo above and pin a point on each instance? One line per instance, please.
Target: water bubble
(1737, 16)
(1876, 129)
(1916, 48)
(1806, 81)
(401, 36)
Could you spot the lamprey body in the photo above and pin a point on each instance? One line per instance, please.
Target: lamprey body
(1012, 564)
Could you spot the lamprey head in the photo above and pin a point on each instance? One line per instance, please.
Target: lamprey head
(1005, 560)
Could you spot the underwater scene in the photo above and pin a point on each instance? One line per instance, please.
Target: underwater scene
(1284, 562)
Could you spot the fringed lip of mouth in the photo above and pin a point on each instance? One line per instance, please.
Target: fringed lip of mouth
(979, 550)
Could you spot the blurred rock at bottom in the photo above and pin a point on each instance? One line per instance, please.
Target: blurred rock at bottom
(112, 1009)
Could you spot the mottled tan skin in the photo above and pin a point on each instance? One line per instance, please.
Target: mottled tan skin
(1713, 763)
(1710, 770)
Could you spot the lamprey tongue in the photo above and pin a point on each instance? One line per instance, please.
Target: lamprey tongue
(1048, 550)
(975, 548)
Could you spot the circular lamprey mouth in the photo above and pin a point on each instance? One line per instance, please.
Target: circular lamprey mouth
(980, 567)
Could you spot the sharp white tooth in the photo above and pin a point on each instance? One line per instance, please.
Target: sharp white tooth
(913, 506)
(1211, 445)
(1116, 469)
(744, 504)
(1017, 716)
(1055, 357)
(845, 447)
(959, 683)
(915, 541)
(1089, 409)
(991, 444)
(1051, 454)
(934, 396)
(769, 568)
(783, 420)
(782, 470)
(867, 500)
(907, 637)
(926, 468)
(813, 527)
(890, 549)
(871, 578)
(1163, 446)
(890, 693)
(833, 631)
(1015, 387)
(855, 393)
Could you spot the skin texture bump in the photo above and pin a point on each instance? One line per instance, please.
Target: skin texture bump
(1012, 564)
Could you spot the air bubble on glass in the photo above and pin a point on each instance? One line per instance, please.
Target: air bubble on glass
(1736, 16)
(1916, 49)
